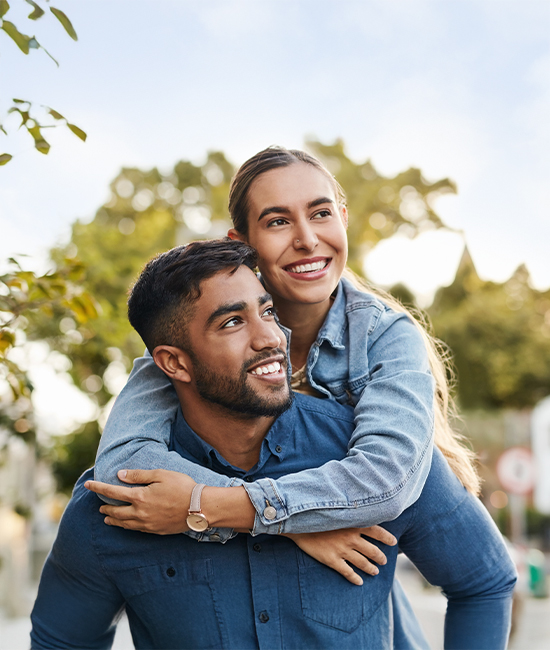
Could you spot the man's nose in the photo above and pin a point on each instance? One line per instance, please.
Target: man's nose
(267, 335)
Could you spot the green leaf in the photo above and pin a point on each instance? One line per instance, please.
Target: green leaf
(55, 114)
(20, 101)
(4, 6)
(63, 19)
(3, 129)
(21, 40)
(5, 158)
(7, 340)
(78, 132)
(37, 13)
(39, 143)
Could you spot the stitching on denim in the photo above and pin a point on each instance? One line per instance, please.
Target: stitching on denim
(385, 496)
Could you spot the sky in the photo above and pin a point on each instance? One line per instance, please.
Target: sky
(458, 88)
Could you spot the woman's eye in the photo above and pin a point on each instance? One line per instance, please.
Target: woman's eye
(277, 222)
(322, 213)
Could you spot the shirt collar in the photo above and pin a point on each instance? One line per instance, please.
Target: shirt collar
(274, 446)
(332, 330)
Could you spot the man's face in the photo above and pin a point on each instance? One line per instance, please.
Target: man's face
(237, 350)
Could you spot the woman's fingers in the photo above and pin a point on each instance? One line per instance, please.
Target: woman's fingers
(380, 534)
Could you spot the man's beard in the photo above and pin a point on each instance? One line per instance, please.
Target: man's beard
(235, 394)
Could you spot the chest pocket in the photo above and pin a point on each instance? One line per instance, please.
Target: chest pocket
(328, 598)
(171, 601)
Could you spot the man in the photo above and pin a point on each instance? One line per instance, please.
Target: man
(211, 328)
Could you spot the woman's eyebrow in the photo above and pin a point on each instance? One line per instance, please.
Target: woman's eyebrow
(282, 210)
(275, 208)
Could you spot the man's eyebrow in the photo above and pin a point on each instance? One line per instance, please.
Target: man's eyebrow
(266, 297)
(225, 309)
(277, 209)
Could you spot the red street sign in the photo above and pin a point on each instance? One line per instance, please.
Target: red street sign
(516, 470)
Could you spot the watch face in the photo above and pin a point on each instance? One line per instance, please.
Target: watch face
(197, 522)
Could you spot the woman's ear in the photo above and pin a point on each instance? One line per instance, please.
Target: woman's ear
(344, 213)
(173, 362)
(235, 234)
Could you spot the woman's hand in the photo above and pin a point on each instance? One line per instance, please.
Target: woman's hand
(159, 505)
(337, 548)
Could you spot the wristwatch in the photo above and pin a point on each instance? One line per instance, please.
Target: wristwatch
(195, 519)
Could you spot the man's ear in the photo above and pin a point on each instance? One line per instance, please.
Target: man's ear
(235, 234)
(173, 361)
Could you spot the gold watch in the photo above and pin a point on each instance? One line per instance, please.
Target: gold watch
(195, 518)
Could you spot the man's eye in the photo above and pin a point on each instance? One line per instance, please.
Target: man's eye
(232, 322)
(270, 311)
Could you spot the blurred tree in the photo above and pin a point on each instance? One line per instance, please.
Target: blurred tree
(27, 302)
(149, 212)
(378, 206)
(35, 118)
(499, 335)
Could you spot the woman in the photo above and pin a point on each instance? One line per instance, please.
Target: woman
(346, 344)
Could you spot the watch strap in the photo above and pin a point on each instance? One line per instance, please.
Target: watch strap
(195, 503)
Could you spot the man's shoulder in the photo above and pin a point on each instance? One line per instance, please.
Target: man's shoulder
(316, 407)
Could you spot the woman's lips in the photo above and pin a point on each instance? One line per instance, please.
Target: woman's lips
(309, 269)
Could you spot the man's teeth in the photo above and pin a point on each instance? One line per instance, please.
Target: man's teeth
(267, 370)
(305, 268)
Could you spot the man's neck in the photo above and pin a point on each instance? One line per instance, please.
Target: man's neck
(236, 437)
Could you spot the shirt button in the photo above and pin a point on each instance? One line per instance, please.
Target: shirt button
(170, 572)
(264, 617)
(215, 537)
(257, 547)
(278, 449)
(248, 479)
(270, 512)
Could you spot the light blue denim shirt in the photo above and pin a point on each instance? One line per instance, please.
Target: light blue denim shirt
(365, 355)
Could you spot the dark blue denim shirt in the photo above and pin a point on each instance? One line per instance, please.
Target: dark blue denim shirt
(263, 592)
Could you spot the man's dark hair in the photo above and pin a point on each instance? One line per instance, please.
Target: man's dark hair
(162, 299)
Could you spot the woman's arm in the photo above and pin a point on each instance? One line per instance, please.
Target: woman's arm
(384, 471)
(137, 435)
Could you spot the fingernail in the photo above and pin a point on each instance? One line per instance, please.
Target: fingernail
(122, 473)
(107, 521)
(375, 572)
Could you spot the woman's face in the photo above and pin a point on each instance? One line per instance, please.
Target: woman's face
(299, 231)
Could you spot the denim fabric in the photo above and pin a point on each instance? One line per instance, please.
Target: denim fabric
(366, 355)
(263, 592)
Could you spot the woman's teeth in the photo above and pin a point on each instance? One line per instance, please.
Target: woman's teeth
(307, 268)
(267, 370)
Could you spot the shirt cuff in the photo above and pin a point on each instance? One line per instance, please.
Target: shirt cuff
(220, 535)
(271, 512)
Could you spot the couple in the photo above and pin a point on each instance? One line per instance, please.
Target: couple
(225, 356)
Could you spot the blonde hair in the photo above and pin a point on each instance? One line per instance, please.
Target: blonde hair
(451, 443)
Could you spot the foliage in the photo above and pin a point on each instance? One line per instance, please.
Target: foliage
(35, 119)
(500, 338)
(29, 302)
(380, 206)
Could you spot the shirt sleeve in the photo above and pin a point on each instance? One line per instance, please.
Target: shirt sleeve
(389, 453)
(77, 605)
(137, 435)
